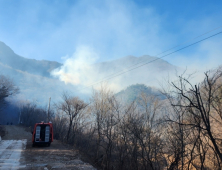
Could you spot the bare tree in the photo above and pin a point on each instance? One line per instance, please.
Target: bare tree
(59, 126)
(7, 88)
(198, 109)
(100, 109)
(31, 114)
(72, 107)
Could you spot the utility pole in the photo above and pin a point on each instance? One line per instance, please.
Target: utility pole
(49, 108)
(19, 116)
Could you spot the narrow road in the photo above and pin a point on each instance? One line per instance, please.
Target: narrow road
(16, 152)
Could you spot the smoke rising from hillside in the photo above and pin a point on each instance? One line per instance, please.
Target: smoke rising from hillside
(80, 70)
(77, 68)
(83, 69)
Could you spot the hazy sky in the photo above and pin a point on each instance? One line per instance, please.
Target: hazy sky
(54, 30)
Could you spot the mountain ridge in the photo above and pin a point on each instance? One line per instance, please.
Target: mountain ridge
(44, 67)
(36, 82)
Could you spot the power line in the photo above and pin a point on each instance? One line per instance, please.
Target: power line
(158, 54)
(123, 72)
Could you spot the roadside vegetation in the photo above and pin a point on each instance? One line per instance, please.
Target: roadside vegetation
(2, 131)
(181, 130)
(7, 88)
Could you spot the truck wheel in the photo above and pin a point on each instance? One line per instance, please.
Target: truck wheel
(49, 144)
(33, 144)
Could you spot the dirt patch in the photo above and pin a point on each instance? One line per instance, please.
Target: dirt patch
(57, 156)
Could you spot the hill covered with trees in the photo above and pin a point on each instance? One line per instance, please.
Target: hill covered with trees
(133, 92)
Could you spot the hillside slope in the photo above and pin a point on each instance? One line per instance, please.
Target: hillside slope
(32, 77)
(36, 83)
(129, 70)
(36, 67)
(133, 93)
(34, 87)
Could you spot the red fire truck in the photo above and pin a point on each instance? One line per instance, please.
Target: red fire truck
(42, 134)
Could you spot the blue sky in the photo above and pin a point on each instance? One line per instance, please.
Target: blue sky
(54, 30)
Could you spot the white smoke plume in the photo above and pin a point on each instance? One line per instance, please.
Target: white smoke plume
(77, 69)
(82, 69)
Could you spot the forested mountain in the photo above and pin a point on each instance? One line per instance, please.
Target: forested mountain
(36, 82)
(31, 76)
(133, 92)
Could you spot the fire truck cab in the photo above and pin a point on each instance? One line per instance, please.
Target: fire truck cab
(42, 134)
